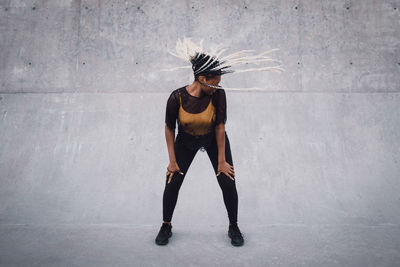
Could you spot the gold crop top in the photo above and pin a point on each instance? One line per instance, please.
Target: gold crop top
(195, 115)
(198, 123)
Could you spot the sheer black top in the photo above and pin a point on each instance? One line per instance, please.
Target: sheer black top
(193, 105)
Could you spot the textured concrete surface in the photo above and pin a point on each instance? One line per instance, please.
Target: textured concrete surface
(83, 153)
(265, 245)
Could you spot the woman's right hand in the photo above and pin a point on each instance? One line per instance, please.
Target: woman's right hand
(172, 168)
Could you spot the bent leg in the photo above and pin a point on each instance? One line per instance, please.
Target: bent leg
(227, 185)
(184, 158)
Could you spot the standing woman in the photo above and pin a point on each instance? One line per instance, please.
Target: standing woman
(200, 110)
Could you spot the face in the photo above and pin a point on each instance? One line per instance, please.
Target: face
(213, 81)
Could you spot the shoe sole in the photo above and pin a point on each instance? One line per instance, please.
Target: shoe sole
(162, 243)
(235, 244)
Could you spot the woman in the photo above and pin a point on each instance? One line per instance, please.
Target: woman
(200, 109)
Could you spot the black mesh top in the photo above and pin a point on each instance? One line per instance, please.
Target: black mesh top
(193, 104)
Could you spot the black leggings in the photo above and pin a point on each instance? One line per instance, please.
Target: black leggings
(184, 157)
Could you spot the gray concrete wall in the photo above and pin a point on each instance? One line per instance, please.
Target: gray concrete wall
(82, 108)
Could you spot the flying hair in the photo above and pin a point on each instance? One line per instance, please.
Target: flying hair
(205, 62)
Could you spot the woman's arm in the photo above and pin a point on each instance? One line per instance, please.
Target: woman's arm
(173, 165)
(171, 115)
(170, 139)
(223, 166)
(220, 136)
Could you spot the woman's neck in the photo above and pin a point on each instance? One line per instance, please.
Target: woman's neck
(195, 89)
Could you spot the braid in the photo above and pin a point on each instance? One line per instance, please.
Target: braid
(211, 64)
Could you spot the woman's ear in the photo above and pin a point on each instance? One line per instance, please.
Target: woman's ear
(202, 79)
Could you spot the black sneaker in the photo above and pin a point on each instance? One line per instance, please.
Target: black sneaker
(164, 234)
(235, 234)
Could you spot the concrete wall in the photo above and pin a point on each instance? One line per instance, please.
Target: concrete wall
(82, 109)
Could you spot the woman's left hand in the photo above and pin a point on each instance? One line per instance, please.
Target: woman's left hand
(227, 169)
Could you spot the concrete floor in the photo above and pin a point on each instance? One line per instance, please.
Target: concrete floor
(199, 245)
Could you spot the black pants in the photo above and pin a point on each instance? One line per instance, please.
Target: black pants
(184, 157)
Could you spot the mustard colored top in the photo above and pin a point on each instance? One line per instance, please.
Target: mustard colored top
(199, 123)
(195, 115)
